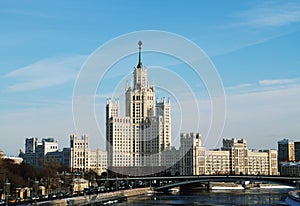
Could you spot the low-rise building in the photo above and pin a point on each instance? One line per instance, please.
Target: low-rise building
(16, 160)
(43, 153)
(233, 158)
(262, 162)
(78, 157)
(98, 161)
(290, 169)
(170, 160)
(79, 184)
(217, 162)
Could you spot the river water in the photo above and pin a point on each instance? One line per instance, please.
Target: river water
(214, 197)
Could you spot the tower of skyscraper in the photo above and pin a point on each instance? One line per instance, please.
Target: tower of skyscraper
(135, 142)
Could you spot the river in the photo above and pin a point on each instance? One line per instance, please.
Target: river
(275, 196)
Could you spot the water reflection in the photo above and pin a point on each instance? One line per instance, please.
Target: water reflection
(215, 197)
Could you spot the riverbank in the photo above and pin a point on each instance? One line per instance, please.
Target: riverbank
(238, 186)
(102, 198)
(225, 186)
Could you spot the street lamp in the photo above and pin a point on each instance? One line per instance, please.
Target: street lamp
(7, 190)
(36, 188)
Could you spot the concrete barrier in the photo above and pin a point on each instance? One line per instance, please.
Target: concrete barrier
(97, 198)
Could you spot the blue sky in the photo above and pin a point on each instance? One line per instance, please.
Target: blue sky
(254, 46)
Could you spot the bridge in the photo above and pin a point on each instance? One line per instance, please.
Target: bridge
(166, 182)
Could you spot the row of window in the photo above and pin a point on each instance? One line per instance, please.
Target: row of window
(137, 97)
(81, 143)
(53, 147)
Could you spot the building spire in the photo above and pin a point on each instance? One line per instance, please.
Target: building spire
(140, 65)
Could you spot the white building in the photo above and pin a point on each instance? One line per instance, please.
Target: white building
(216, 162)
(192, 153)
(79, 149)
(98, 161)
(238, 155)
(233, 158)
(78, 157)
(41, 153)
(16, 160)
(83, 159)
(262, 162)
(135, 142)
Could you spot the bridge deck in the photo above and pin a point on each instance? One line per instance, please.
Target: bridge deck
(184, 180)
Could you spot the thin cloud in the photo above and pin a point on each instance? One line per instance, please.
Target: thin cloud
(270, 15)
(239, 86)
(258, 24)
(263, 86)
(44, 73)
(269, 82)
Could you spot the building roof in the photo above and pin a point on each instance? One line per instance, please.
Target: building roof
(285, 141)
(287, 164)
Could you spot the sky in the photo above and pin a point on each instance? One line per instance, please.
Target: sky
(253, 45)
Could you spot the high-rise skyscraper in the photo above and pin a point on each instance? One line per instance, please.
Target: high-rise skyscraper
(136, 141)
(286, 151)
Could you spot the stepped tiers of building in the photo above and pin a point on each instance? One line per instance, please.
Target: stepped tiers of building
(135, 141)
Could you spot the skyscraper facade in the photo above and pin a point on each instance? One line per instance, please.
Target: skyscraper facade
(286, 151)
(238, 154)
(79, 151)
(136, 141)
(192, 153)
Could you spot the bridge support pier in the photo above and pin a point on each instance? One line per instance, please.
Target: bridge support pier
(208, 186)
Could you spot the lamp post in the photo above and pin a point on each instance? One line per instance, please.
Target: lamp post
(7, 190)
(36, 188)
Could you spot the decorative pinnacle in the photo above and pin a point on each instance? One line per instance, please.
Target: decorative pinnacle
(140, 43)
(140, 65)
